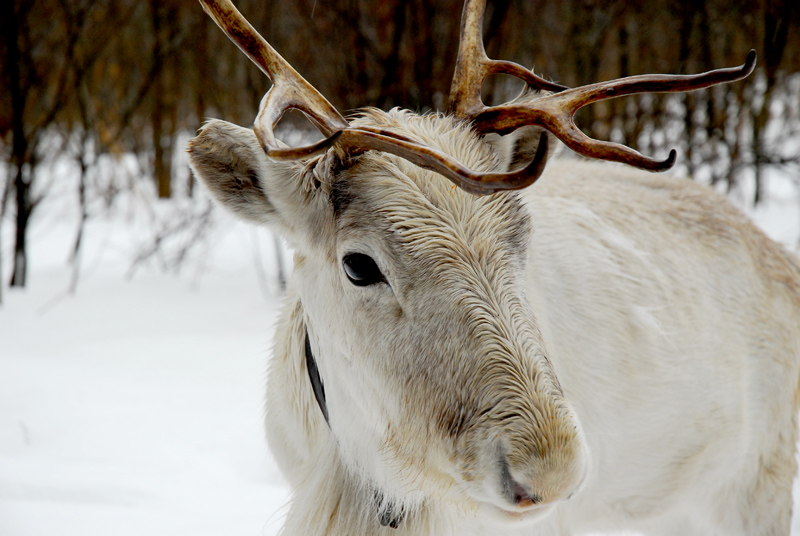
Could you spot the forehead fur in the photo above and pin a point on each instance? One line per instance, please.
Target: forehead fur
(408, 197)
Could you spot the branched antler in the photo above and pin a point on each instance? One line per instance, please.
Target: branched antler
(553, 112)
(473, 66)
(289, 90)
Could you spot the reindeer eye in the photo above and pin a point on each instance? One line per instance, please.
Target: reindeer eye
(361, 270)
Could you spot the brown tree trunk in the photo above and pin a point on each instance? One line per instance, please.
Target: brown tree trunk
(24, 209)
(20, 146)
(777, 16)
(161, 171)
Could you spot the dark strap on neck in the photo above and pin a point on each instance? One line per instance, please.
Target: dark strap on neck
(387, 515)
(316, 381)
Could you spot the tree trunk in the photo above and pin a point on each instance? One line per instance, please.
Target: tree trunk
(777, 17)
(161, 171)
(20, 148)
(19, 275)
(3, 204)
(75, 257)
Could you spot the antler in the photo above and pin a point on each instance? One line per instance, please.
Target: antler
(473, 66)
(555, 112)
(289, 90)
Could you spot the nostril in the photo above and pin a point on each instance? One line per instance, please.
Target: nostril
(522, 498)
(514, 491)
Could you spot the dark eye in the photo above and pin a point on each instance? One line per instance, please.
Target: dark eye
(361, 270)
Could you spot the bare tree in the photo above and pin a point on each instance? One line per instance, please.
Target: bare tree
(39, 84)
(130, 77)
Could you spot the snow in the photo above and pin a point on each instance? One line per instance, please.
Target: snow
(134, 405)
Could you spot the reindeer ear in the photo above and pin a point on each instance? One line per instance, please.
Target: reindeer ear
(524, 144)
(234, 168)
(518, 148)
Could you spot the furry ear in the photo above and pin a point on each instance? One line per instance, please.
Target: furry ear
(234, 168)
(517, 149)
(524, 143)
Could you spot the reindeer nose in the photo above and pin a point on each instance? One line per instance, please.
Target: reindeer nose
(515, 492)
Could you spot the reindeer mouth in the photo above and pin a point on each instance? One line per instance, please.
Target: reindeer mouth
(515, 515)
(519, 505)
(513, 491)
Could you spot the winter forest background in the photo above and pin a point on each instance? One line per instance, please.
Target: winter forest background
(135, 316)
(117, 87)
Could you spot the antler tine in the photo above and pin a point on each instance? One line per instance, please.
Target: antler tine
(657, 83)
(473, 66)
(357, 140)
(556, 112)
(470, 71)
(289, 90)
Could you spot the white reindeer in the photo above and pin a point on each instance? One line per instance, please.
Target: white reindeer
(605, 350)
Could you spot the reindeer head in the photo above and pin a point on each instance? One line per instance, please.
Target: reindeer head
(423, 351)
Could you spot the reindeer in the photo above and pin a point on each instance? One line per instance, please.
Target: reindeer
(606, 350)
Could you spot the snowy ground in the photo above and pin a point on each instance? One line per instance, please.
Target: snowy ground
(134, 406)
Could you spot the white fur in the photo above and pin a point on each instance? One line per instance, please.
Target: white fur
(671, 323)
